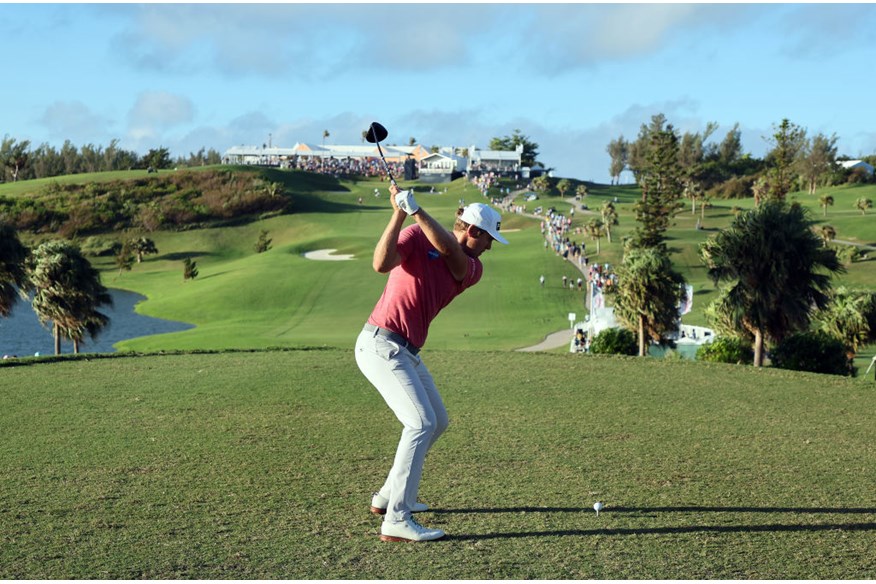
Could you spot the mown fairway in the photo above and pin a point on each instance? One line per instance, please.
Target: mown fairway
(261, 465)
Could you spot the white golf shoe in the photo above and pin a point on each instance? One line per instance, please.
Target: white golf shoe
(408, 530)
(379, 504)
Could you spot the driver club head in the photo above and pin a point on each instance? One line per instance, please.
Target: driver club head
(376, 133)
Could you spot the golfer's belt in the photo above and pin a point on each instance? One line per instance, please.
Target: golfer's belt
(392, 336)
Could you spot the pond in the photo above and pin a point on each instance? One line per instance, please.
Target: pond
(22, 335)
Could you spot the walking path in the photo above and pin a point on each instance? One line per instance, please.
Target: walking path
(555, 340)
(861, 245)
(561, 338)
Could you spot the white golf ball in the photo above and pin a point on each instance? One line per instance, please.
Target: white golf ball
(598, 507)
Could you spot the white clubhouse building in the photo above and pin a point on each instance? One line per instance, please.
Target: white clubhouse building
(440, 166)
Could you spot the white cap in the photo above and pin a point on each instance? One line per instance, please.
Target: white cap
(484, 217)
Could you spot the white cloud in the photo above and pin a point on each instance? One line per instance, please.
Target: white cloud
(160, 110)
(74, 121)
(560, 37)
(817, 31)
(318, 41)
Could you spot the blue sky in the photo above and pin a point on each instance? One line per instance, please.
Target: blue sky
(570, 76)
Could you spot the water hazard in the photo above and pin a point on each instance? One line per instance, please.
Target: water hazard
(22, 335)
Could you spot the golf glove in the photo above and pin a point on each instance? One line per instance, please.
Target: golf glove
(405, 201)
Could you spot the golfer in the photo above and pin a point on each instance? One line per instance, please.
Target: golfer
(428, 267)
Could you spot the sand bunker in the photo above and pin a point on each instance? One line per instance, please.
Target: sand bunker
(326, 255)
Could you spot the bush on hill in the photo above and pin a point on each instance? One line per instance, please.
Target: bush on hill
(726, 350)
(816, 352)
(615, 341)
(168, 201)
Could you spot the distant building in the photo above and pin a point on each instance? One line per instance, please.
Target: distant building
(274, 156)
(442, 166)
(856, 164)
(501, 162)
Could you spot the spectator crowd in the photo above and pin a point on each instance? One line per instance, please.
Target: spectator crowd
(344, 167)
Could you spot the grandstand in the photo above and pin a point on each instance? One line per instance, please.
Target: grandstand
(438, 164)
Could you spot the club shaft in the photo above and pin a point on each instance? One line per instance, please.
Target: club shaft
(385, 165)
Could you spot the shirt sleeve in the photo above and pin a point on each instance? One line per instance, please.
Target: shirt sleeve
(475, 271)
(406, 241)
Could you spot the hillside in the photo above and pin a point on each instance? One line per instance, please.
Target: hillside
(246, 300)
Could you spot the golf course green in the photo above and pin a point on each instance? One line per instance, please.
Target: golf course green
(248, 447)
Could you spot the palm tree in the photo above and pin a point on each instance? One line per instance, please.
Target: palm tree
(648, 294)
(581, 191)
(541, 183)
(563, 186)
(825, 201)
(863, 204)
(609, 217)
(596, 229)
(325, 134)
(13, 276)
(774, 266)
(827, 233)
(693, 190)
(849, 317)
(144, 246)
(67, 292)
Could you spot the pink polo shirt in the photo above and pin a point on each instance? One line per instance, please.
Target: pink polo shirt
(419, 288)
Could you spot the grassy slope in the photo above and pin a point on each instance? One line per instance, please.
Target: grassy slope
(246, 300)
(260, 465)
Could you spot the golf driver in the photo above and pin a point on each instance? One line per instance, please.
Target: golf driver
(376, 133)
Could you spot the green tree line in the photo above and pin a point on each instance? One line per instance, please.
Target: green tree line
(20, 161)
(721, 168)
(774, 270)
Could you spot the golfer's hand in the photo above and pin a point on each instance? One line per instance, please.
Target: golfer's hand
(406, 202)
(393, 191)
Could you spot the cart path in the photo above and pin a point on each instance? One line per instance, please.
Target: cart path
(553, 341)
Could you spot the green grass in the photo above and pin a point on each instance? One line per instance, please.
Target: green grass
(260, 465)
(245, 300)
(246, 465)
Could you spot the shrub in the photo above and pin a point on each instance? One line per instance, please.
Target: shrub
(615, 341)
(859, 176)
(726, 350)
(264, 242)
(848, 254)
(98, 246)
(734, 188)
(816, 352)
(190, 269)
(672, 355)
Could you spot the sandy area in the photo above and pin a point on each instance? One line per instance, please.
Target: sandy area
(326, 255)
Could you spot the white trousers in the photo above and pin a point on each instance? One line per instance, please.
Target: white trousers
(406, 385)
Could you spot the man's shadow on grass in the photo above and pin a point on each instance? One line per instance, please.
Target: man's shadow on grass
(654, 511)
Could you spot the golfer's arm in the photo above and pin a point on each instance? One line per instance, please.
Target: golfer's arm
(386, 255)
(445, 242)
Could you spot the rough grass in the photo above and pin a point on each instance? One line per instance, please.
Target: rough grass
(260, 465)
